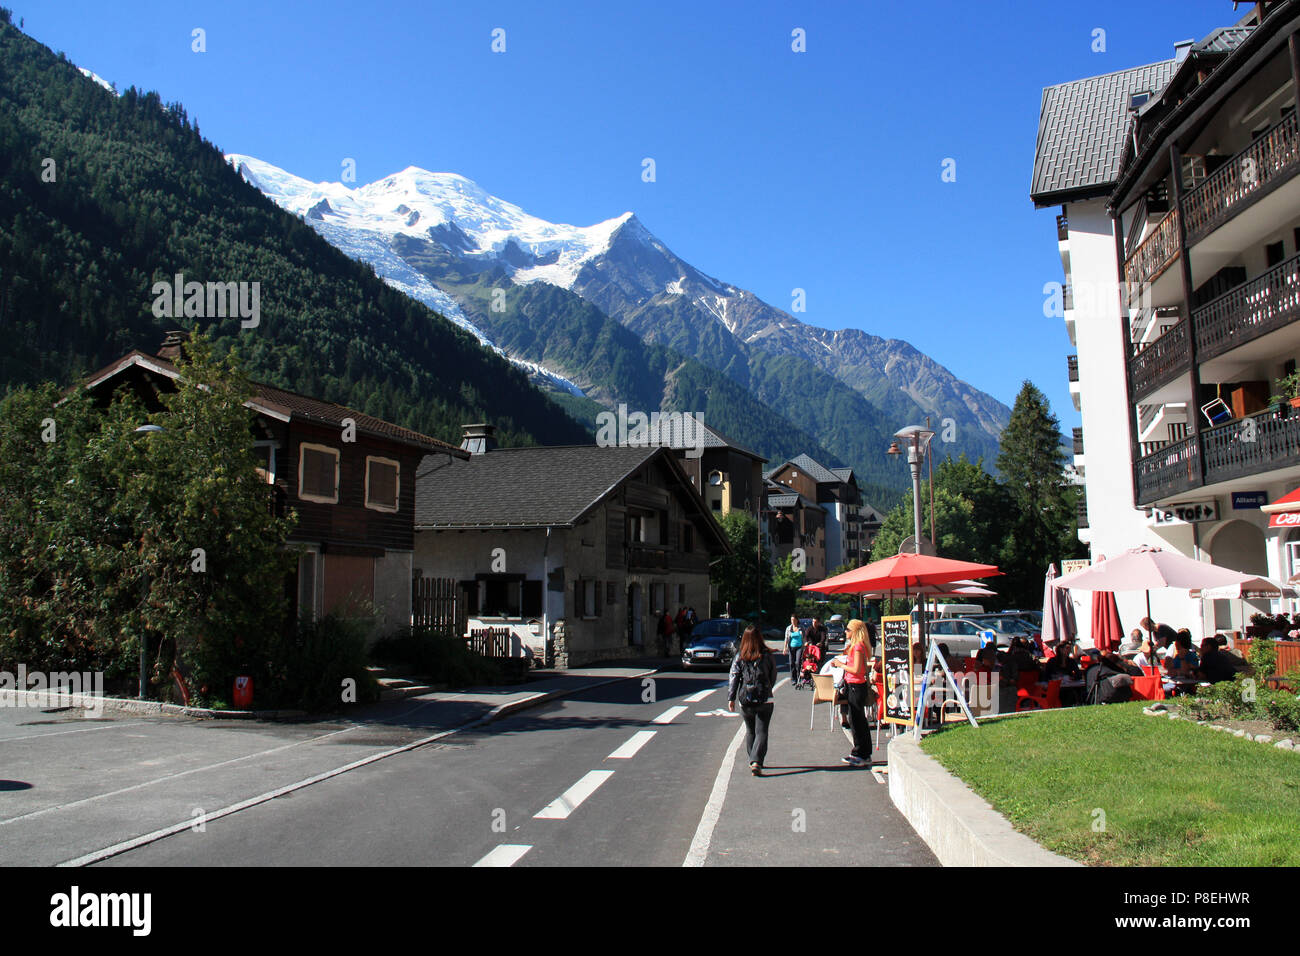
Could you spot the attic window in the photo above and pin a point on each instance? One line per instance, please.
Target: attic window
(318, 473)
(381, 483)
(1137, 99)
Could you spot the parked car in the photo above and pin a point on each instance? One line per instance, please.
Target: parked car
(713, 643)
(1034, 618)
(962, 634)
(1007, 624)
(835, 630)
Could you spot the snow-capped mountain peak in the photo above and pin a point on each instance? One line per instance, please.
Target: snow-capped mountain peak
(444, 207)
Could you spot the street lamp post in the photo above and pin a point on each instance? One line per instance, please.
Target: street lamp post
(918, 442)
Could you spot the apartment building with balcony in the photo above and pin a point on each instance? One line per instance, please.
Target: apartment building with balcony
(1179, 235)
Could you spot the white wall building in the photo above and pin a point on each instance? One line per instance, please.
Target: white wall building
(1180, 206)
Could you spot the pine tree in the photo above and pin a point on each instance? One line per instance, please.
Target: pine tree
(1032, 464)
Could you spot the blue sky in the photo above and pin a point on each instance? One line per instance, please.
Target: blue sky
(776, 170)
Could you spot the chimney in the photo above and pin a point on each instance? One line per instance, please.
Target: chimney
(478, 439)
(1182, 49)
(173, 347)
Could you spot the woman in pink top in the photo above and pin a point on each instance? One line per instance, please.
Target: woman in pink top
(856, 691)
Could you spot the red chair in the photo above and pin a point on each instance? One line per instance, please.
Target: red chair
(1150, 687)
(1026, 680)
(1039, 697)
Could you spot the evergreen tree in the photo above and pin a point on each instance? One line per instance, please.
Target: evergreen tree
(1032, 464)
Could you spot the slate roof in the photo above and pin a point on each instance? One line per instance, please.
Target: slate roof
(677, 439)
(549, 485)
(814, 469)
(1081, 130)
(843, 474)
(283, 404)
(1083, 125)
(1223, 40)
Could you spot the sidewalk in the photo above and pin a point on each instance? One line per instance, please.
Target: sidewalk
(846, 815)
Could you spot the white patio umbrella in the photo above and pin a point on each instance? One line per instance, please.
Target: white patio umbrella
(1148, 569)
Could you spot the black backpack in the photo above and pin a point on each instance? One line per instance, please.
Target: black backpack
(754, 688)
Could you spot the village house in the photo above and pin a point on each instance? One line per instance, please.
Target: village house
(575, 549)
(349, 476)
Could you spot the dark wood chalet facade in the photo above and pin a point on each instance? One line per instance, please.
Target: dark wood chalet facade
(349, 476)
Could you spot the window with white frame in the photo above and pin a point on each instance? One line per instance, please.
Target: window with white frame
(318, 473)
(383, 483)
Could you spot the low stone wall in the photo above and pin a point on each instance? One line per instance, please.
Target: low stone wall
(960, 827)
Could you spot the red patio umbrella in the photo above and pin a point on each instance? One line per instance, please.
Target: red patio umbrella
(902, 572)
(1107, 632)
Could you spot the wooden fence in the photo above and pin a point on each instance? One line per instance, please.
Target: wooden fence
(490, 641)
(436, 603)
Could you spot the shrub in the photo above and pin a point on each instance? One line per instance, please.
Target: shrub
(310, 665)
(437, 657)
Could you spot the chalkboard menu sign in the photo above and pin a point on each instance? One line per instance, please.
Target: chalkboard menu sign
(896, 638)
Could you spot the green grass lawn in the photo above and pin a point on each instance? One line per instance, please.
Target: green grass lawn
(1173, 793)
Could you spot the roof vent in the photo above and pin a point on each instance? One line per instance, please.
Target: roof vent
(478, 439)
(1181, 50)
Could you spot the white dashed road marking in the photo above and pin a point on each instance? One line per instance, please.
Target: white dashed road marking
(700, 695)
(507, 854)
(632, 745)
(669, 715)
(572, 798)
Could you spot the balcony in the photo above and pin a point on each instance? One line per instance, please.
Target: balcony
(1072, 366)
(1239, 449)
(1249, 311)
(1153, 255)
(1081, 511)
(1251, 445)
(1078, 441)
(1257, 170)
(1162, 360)
(1062, 228)
(1172, 469)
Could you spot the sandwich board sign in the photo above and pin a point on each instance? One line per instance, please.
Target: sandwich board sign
(896, 656)
(933, 660)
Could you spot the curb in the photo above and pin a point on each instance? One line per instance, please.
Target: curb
(960, 827)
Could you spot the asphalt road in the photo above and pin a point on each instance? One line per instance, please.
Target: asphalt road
(621, 774)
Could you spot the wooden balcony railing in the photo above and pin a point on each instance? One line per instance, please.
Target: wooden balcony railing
(1173, 469)
(1161, 360)
(1062, 228)
(1251, 445)
(1253, 309)
(1078, 441)
(1262, 166)
(1072, 366)
(1153, 255)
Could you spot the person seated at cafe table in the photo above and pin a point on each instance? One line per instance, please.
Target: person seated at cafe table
(1181, 661)
(1062, 665)
(1144, 657)
(1216, 664)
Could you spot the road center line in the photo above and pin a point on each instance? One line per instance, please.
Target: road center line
(507, 854)
(668, 715)
(572, 798)
(632, 745)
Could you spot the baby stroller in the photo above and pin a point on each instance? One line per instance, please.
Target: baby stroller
(812, 664)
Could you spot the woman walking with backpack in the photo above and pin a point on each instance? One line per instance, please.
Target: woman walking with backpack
(753, 675)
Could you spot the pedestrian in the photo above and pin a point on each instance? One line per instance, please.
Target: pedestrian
(794, 647)
(816, 634)
(666, 630)
(753, 675)
(857, 691)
